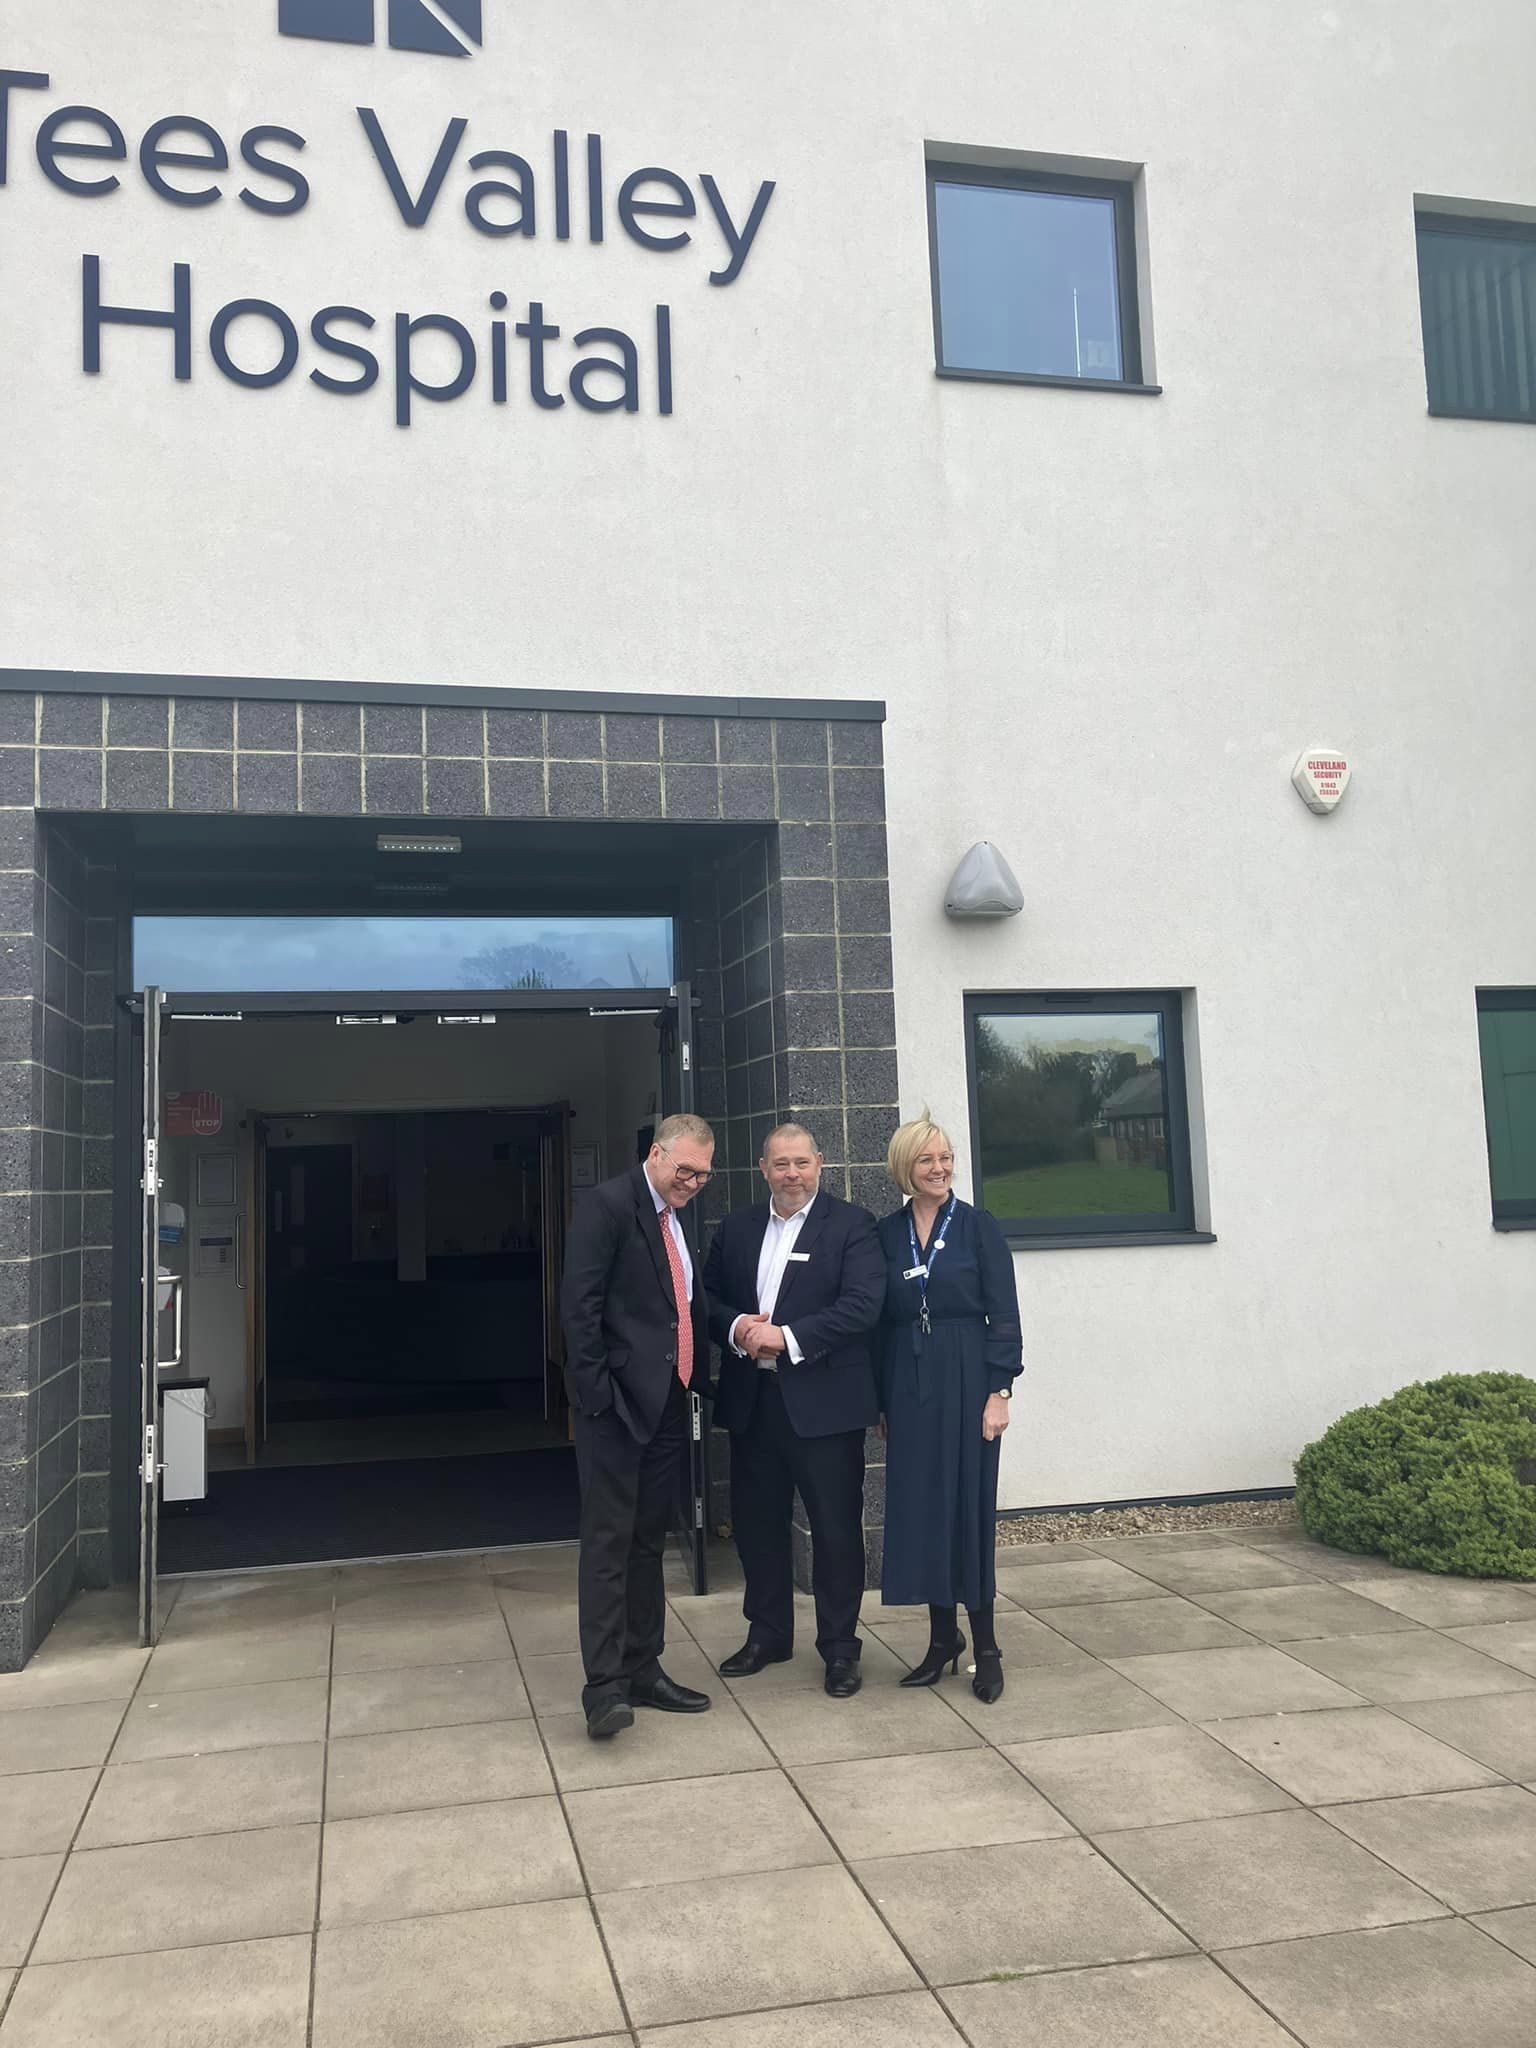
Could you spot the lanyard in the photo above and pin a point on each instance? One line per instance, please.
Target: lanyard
(921, 1271)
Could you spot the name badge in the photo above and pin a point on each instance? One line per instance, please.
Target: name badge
(915, 1273)
(799, 1258)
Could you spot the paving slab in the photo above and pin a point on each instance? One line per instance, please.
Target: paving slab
(1512, 1642)
(1515, 1926)
(906, 1805)
(1321, 1559)
(1210, 1685)
(963, 1914)
(206, 1795)
(554, 1682)
(1498, 1729)
(1073, 1583)
(464, 1980)
(1349, 1753)
(631, 1836)
(1009, 1555)
(1070, 1699)
(1413, 1664)
(431, 1767)
(364, 1646)
(73, 1678)
(809, 1728)
(40, 1810)
(214, 1888)
(658, 1747)
(240, 1657)
(1164, 1543)
(229, 1717)
(1024, 1641)
(1184, 2002)
(26, 1886)
(542, 1624)
(1476, 1850)
(739, 1944)
(246, 1994)
(452, 1859)
(1221, 1568)
(1439, 1601)
(1143, 1777)
(248, 1604)
(58, 1738)
(1264, 1877)
(1290, 1614)
(902, 2019)
(1398, 1987)
(426, 1696)
(1130, 1628)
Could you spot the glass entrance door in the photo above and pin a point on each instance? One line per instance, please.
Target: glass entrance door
(690, 1533)
(150, 1306)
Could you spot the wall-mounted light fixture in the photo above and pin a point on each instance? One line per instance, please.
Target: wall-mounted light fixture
(983, 885)
(418, 842)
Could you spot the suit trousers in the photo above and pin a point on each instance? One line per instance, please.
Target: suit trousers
(768, 1463)
(628, 1492)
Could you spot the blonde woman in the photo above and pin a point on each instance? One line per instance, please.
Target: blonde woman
(950, 1350)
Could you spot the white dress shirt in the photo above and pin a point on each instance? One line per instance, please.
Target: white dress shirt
(779, 1240)
(673, 1223)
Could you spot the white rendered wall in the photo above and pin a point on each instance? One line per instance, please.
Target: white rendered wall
(1104, 626)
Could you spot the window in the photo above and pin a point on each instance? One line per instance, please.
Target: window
(1034, 277)
(1079, 1128)
(1477, 295)
(1506, 1029)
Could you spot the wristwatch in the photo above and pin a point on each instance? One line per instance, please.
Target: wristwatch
(1003, 1393)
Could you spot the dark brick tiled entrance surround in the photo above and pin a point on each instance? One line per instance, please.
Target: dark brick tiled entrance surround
(790, 955)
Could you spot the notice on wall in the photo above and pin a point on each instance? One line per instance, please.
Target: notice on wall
(213, 1244)
(194, 1113)
(216, 1179)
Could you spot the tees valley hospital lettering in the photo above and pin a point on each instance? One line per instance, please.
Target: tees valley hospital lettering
(186, 162)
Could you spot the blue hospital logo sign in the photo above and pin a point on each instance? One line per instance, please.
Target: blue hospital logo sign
(441, 28)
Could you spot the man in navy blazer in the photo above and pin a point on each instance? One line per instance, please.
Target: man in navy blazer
(795, 1287)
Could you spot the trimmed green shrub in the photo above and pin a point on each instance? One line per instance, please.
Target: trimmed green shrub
(1436, 1476)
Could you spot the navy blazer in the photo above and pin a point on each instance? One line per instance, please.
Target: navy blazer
(616, 1305)
(831, 1298)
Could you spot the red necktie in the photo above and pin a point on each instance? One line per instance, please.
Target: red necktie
(679, 1299)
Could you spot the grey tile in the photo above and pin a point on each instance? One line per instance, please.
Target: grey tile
(464, 1980)
(1400, 1987)
(57, 1738)
(1210, 1685)
(393, 788)
(426, 1696)
(429, 1767)
(26, 1886)
(800, 742)
(392, 728)
(1413, 1664)
(228, 1717)
(907, 1805)
(659, 1746)
(268, 783)
(332, 784)
(40, 1810)
(456, 789)
(247, 1994)
(1439, 1601)
(1348, 1753)
(632, 736)
(451, 1859)
(1143, 1777)
(1475, 1850)
(803, 1727)
(516, 733)
(1515, 1927)
(1019, 1907)
(217, 1794)
(202, 782)
(1127, 1628)
(687, 739)
(240, 1657)
(137, 721)
(1499, 1730)
(900, 2019)
(858, 795)
(1219, 1568)
(120, 1901)
(747, 793)
(273, 728)
(417, 1639)
(1025, 1643)
(1511, 1642)
(736, 1944)
(542, 1623)
(1264, 1877)
(710, 1828)
(1184, 2002)
(634, 791)
(138, 781)
(1084, 1698)
(332, 728)
(690, 792)
(1289, 1614)
(17, 775)
(574, 735)
(804, 793)
(516, 789)
(204, 722)
(67, 719)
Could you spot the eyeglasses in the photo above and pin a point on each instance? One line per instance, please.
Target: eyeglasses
(692, 1176)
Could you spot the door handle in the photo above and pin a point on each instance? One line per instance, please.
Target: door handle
(176, 1286)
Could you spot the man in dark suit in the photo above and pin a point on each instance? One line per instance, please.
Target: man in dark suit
(796, 1285)
(636, 1339)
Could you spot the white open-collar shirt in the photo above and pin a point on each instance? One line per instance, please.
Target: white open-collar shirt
(779, 1240)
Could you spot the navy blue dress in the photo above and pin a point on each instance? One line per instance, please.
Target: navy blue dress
(940, 1476)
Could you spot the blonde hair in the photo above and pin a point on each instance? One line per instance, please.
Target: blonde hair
(671, 1128)
(909, 1145)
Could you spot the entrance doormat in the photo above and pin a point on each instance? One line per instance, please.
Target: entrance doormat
(308, 1514)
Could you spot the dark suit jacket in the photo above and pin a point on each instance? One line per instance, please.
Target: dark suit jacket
(831, 1299)
(616, 1305)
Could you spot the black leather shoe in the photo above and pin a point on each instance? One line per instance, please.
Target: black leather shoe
(932, 1666)
(844, 1678)
(667, 1696)
(988, 1682)
(608, 1717)
(751, 1658)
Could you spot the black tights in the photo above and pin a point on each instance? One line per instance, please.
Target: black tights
(942, 1626)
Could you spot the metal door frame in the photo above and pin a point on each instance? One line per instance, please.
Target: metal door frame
(150, 1464)
(677, 1064)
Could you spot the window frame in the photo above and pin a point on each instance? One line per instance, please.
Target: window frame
(1496, 228)
(1003, 178)
(1172, 1226)
(1513, 1212)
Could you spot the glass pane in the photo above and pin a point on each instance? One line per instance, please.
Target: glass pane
(1508, 1039)
(1477, 295)
(1027, 281)
(1072, 1114)
(315, 955)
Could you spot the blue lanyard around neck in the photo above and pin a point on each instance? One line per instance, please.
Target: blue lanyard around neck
(922, 1269)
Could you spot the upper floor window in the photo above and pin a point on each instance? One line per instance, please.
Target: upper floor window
(1034, 276)
(1477, 296)
(1506, 1029)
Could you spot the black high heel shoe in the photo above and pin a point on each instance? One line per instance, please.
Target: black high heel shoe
(932, 1666)
(988, 1682)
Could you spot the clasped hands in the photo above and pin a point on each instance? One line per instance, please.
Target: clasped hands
(758, 1337)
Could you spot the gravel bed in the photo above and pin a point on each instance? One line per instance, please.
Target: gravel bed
(1083, 1528)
